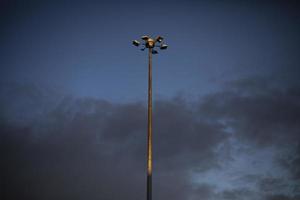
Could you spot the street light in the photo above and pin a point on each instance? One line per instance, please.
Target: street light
(150, 44)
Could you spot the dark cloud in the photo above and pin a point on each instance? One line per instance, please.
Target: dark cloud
(180, 132)
(204, 191)
(257, 111)
(262, 113)
(271, 184)
(282, 197)
(236, 194)
(291, 162)
(88, 148)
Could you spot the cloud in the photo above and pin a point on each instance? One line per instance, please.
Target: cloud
(85, 148)
(257, 111)
(262, 116)
(282, 197)
(238, 194)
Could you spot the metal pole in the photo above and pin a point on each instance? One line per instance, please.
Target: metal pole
(150, 44)
(149, 149)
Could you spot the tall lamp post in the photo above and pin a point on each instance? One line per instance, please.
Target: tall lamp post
(150, 44)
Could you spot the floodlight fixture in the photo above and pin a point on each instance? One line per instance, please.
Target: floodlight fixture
(145, 37)
(159, 39)
(135, 43)
(151, 44)
(163, 46)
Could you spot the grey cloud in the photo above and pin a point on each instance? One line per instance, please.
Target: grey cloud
(291, 161)
(282, 197)
(260, 113)
(238, 194)
(180, 133)
(85, 148)
(205, 191)
(257, 112)
(89, 148)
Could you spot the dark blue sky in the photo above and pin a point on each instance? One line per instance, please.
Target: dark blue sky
(85, 48)
(74, 89)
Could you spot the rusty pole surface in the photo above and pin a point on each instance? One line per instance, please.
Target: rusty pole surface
(149, 145)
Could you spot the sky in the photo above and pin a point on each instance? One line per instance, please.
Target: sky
(73, 99)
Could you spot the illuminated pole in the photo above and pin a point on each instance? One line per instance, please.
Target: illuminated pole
(150, 44)
(149, 149)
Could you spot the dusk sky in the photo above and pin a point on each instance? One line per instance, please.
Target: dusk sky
(73, 100)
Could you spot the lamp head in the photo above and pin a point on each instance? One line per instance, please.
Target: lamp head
(159, 39)
(135, 43)
(150, 43)
(145, 37)
(163, 46)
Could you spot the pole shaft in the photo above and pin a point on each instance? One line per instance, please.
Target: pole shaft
(149, 145)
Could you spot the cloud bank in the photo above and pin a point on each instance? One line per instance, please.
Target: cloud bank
(238, 143)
